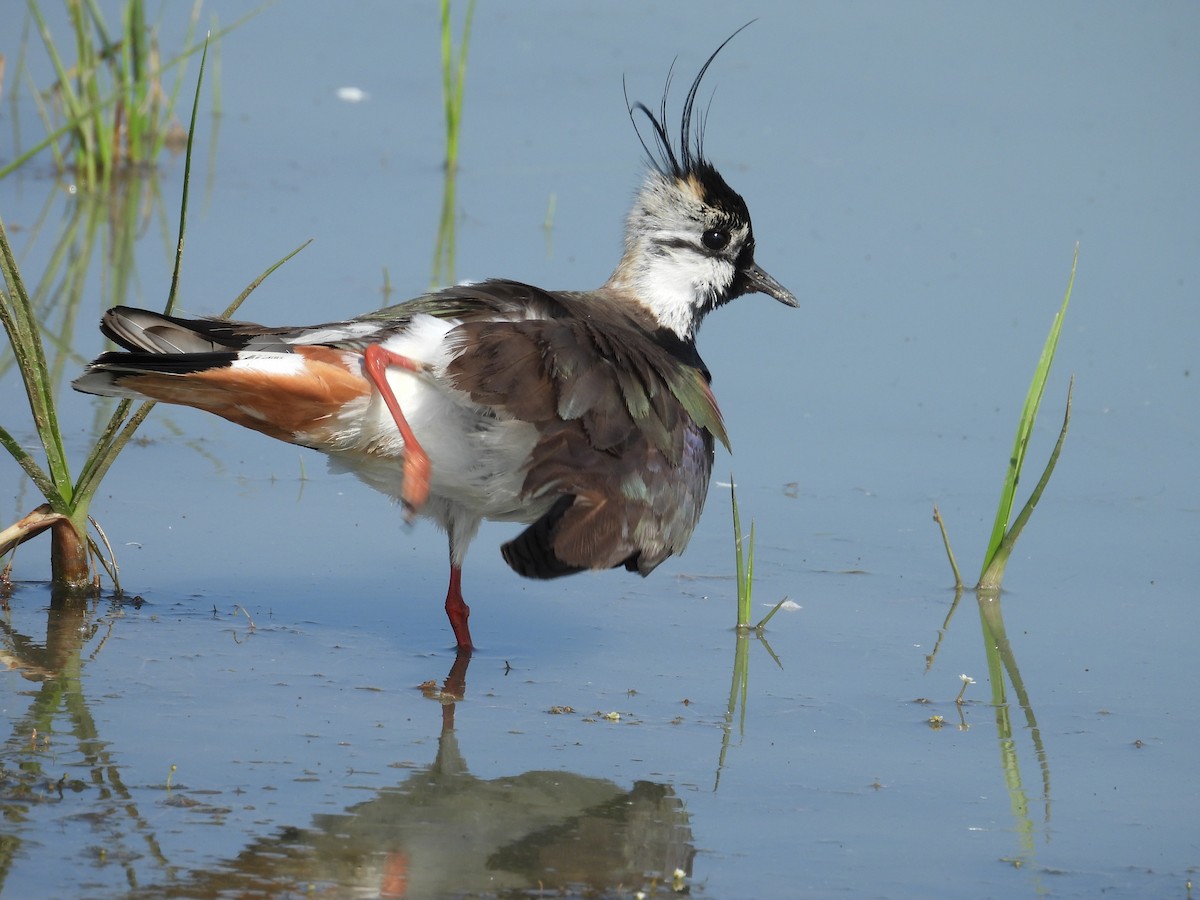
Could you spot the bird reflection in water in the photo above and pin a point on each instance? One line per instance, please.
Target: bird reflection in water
(444, 832)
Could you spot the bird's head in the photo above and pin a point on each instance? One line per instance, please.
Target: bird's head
(689, 243)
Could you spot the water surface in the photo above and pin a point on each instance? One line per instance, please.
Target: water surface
(918, 176)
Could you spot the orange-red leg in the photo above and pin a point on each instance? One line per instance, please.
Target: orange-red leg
(457, 610)
(415, 491)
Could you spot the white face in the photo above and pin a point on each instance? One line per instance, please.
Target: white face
(681, 254)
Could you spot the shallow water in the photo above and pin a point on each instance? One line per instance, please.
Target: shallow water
(918, 176)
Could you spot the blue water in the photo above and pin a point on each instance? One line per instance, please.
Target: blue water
(919, 176)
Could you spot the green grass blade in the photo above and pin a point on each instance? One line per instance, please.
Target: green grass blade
(94, 141)
(749, 579)
(107, 48)
(60, 163)
(20, 323)
(35, 472)
(740, 569)
(161, 117)
(51, 140)
(994, 573)
(125, 74)
(187, 172)
(105, 454)
(1033, 400)
(71, 101)
(241, 298)
(767, 618)
(135, 34)
(937, 517)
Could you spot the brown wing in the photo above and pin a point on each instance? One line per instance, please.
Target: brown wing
(618, 446)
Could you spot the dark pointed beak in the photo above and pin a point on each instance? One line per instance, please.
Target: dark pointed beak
(760, 281)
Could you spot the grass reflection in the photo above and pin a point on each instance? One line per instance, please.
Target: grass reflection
(454, 77)
(58, 724)
(1002, 664)
(1003, 672)
(738, 693)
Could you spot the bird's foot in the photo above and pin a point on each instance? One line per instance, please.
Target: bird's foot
(415, 490)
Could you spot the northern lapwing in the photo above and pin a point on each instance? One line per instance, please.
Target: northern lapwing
(587, 415)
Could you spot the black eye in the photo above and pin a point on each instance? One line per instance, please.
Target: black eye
(716, 239)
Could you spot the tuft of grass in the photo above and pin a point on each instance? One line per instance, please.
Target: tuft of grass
(110, 111)
(743, 548)
(113, 107)
(739, 688)
(68, 499)
(1004, 536)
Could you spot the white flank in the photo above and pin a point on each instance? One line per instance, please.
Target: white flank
(271, 363)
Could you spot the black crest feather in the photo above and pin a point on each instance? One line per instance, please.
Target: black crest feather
(688, 157)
